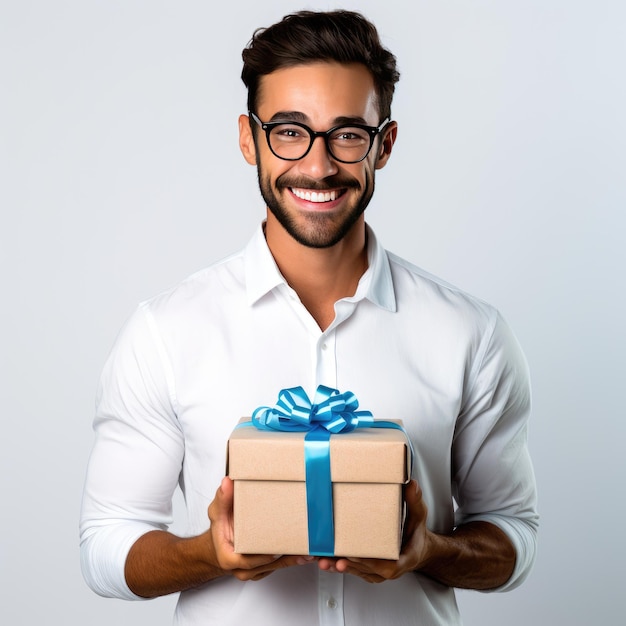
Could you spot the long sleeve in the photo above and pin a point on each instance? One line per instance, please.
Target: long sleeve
(136, 460)
(492, 471)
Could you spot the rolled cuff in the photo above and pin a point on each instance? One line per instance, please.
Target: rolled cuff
(523, 535)
(103, 553)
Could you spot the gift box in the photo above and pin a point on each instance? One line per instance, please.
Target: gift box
(274, 515)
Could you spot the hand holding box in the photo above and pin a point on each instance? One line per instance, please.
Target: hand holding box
(274, 509)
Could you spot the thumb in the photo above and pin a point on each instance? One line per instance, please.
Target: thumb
(222, 505)
(415, 499)
(416, 510)
(412, 493)
(225, 491)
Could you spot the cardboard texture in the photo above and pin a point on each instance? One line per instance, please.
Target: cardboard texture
(368, 467)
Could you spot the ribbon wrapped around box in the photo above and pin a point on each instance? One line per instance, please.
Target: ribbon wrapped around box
(319, 478)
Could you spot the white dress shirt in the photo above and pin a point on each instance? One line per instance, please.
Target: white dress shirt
(195, 359)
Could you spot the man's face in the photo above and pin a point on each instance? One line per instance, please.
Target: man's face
(320, 95)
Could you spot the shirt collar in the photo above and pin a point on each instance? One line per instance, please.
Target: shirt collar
(377, 283)
(263, 275)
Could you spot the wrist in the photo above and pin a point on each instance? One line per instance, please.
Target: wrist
(434, 550)
(477, 555)
(211, 556)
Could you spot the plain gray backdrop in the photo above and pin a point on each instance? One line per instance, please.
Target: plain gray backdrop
(120, 174)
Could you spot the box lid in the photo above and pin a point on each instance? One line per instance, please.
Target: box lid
(374, 455)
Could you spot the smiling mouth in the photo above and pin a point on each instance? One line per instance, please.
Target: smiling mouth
(316, 196)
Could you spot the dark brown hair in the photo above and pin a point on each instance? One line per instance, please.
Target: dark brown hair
(309, 36)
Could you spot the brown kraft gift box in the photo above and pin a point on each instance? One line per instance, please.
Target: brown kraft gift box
(369, 467)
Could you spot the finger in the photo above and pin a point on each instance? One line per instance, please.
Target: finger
(264, 563)
(374, 570)
(263, 571)
(261, 576)
(291, 560)
(245, 574)
(231, 561)
(327, 564)
(346, 566)
(370, 564)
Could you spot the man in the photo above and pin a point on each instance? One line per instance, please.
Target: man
(313, 299)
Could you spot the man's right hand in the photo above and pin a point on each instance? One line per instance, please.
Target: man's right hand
(243, 567)
(160, 563)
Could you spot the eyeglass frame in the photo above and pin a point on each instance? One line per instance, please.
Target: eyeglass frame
(373, 132)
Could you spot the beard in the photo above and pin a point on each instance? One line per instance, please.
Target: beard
(316, 230)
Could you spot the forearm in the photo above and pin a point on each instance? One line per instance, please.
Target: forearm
(477, 555)
(160, 563)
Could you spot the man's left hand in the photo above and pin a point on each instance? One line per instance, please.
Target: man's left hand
(415, 549)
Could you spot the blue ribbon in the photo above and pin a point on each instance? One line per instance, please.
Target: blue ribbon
(331, 412)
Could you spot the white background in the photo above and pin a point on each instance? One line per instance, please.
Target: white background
(120, 175)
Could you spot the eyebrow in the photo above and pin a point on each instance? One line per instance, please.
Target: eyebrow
(298, 116)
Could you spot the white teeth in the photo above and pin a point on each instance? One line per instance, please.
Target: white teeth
(315, 196)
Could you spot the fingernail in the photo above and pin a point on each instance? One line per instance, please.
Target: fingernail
(303, 560)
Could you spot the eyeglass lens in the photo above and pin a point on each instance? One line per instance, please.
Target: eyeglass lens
(347, 143)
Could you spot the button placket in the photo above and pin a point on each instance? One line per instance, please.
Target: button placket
(330, 599)
(326, 369)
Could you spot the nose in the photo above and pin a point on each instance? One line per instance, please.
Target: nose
(318, 163)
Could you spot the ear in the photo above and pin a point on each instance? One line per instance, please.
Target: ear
(386, 144)
(246, 140)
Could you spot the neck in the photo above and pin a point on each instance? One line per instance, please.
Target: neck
(320, 276)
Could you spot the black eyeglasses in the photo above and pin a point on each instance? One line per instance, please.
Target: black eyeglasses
(292, 141)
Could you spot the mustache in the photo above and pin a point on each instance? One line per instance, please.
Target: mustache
(332, 182)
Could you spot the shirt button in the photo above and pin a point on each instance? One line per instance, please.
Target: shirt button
(324, 346)
(332, 603)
